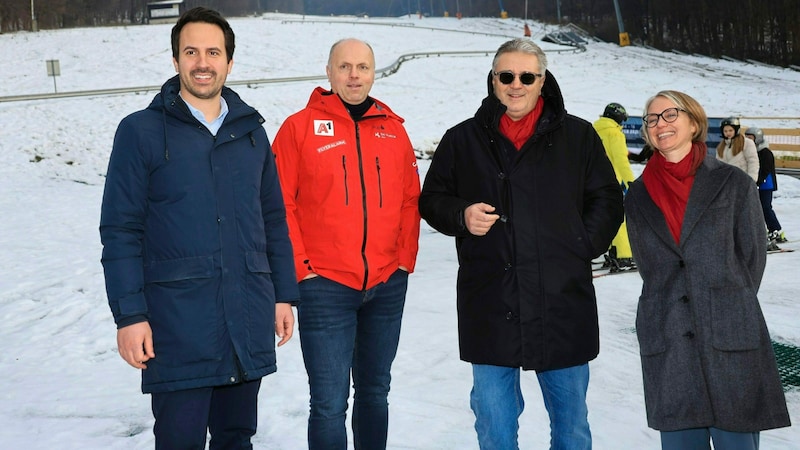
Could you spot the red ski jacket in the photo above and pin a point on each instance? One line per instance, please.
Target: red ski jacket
(351, 191)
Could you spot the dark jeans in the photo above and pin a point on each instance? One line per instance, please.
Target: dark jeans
(769, 214)
(343, 329)
(229, 413)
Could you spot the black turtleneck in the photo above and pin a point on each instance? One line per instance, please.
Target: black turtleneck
(357, 111)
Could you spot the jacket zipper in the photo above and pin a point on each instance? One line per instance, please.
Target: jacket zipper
(380, 186)
(363, 206)
(346, 193)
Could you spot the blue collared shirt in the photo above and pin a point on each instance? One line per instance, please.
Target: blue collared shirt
(214, 126)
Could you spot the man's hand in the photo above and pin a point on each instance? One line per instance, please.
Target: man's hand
(478, 218)
(135, 344)
(284, 322)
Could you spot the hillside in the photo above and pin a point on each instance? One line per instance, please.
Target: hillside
(64, 386)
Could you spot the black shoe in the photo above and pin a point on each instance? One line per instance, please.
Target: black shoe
(608, 261)
(777, 236)
(626, 263)
(610, 258)
(622, 264)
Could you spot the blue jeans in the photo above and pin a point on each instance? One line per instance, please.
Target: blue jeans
(229, 413)
(496, 399)
(699, 439)
(344, 330)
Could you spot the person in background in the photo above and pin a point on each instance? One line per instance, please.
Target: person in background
(531, 198)
(767, 184)
(735, 149)
(351, 186)
(196, 250)
(698, 237)
(645, 153)
(609, 128)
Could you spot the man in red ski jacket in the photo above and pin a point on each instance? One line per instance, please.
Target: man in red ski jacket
(350, 185)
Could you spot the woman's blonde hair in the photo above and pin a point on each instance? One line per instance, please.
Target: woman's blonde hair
(692, 108)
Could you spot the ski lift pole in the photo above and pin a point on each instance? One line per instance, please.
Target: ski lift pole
(624, 40)
(558, 10)
(503, 12)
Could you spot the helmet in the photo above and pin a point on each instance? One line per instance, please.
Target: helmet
(730, 121)
(616, 111)
(757, 134)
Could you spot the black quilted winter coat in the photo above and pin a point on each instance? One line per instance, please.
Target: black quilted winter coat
(525, 293)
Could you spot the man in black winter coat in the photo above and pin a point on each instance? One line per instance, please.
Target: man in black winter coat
(531, 198)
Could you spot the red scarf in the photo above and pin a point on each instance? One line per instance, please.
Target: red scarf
(669, 184)
(518, 132)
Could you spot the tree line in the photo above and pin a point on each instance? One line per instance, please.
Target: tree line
(743, 29)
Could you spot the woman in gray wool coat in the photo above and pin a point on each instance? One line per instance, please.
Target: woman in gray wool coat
(698, 237)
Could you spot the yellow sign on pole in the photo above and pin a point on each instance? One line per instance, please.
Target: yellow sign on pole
(624, 40)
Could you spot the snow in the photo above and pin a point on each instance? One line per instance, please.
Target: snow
(63, 383)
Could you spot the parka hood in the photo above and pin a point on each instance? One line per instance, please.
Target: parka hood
(552, 116)
(168, 103)
(168, 96)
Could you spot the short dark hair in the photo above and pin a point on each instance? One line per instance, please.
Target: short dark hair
(201, 14)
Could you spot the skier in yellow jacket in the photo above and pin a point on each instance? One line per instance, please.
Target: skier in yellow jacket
(609, 127)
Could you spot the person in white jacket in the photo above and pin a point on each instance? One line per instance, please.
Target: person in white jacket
(735, 149)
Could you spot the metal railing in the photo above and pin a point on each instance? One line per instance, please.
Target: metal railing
(379, 73)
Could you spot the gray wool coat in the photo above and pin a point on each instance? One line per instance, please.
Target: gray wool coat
(707, 359)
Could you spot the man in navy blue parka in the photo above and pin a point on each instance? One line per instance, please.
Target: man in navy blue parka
(197, 258)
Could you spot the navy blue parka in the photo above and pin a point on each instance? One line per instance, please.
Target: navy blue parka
(195, 242)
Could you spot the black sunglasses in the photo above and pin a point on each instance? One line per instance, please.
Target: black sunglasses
(526, 78)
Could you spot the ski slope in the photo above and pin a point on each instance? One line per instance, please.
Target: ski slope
(63, 384)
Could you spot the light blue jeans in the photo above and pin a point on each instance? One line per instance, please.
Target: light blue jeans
(700, 438)
(496, 399)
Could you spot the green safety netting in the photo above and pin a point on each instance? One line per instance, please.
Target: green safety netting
(788, 357)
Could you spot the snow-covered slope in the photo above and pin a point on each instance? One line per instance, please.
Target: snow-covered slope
(64, 386)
